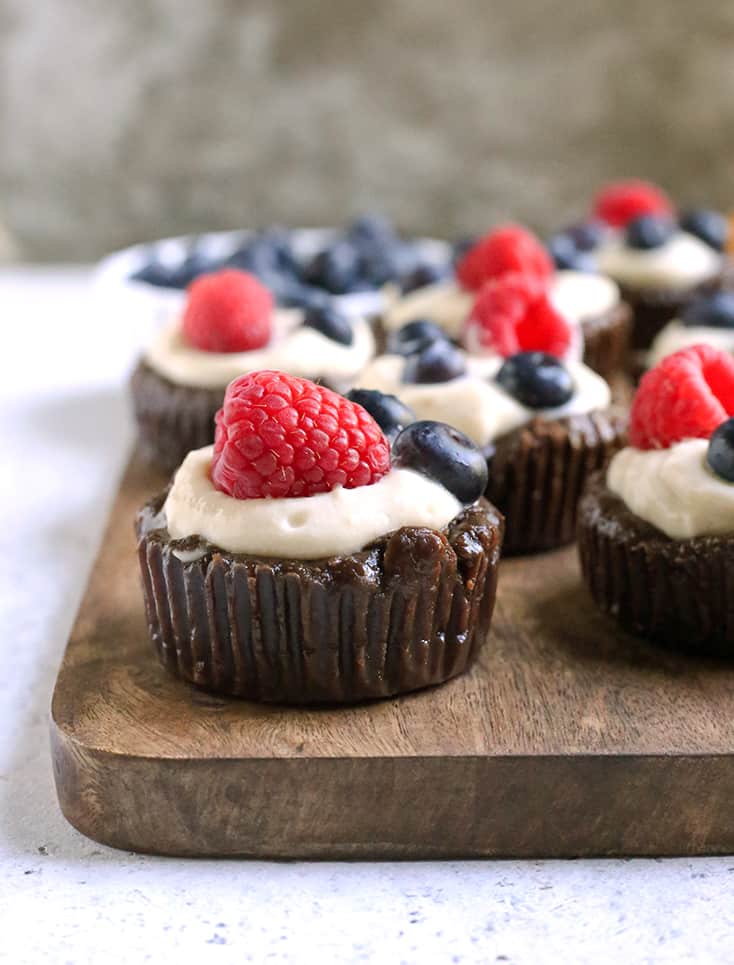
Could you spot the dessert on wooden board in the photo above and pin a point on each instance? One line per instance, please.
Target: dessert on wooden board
(589, 302)
(656, 530)
(543, 419)
(231, 325)
(303, 558)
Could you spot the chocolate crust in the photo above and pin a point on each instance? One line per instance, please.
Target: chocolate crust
(537, 474)
(410, 610)
(675, 592)
(607, 339)
(653, 308)
(172, 419)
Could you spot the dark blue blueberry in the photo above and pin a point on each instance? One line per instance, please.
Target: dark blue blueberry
(424, 273)
(155, 273)
(294, 294)
(710, 226)
(649, 231)
(720, 455)
(196, 263)
(566, 256)
(586, 235)
(414, 337)
(390, 414)
(370, 229)
(336, 268)
(387, 263)
(330, 322)
(536, 379)
(438, 362)
(712, 311)
(444, 454)
(282, 253)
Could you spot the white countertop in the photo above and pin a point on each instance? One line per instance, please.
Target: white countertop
(66, 899)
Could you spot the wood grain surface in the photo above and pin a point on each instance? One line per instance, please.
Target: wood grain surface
(568, 738)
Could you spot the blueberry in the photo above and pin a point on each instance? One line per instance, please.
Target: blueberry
(196, 263)
(438, 362)
(710, 226)
(712, 311)
(720, 454)
(294, 294)
(567, 256)
(336, 268)
(536, 379)
(370, 228)
(388, 411)
(444, 454)
(586, 235)
(414, 337)
(330, 322)
(155, 273)
(424, 273)
(649, 231)
(387, 263)
(462, 245)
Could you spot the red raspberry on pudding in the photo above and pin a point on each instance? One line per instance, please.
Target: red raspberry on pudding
(686, 396)
(280, 436)
(509, 249)
(514, 314)
(620, 202)
(227, 311)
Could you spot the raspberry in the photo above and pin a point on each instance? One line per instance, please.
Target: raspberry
(686, 396)
(227, 311)
(514, 314)
(279, 436)
(623, 201)
(509, 248)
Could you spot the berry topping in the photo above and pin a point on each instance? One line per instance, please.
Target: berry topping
(414, 337)
(686, 396)
(227, 311)
(514, 314)
(279, 436)
(710, 226)
(648, 231)
(390, 414)
(444, 454)
(335, 268)
(330, 322)
(567, 256)
(710, 311)
(536, 380)
(720, 455)
(587, 235)
(441, 361)
(508, 249)
(622, 201)
(424, 273)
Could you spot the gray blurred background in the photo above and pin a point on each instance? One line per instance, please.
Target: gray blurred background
(129, 120)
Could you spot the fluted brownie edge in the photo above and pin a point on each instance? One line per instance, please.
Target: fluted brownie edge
(607, 341)
(410, 610)
(675, 592)
(538, 471)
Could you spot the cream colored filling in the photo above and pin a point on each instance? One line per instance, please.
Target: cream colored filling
(336, 523)
(294, 349)
(682, 262)
(475, 403)
(676, 336)
(674, 490)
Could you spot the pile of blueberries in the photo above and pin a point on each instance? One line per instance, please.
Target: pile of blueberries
(367, 254)
(574, 248)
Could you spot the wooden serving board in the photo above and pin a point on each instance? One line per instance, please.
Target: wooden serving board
(568, 738)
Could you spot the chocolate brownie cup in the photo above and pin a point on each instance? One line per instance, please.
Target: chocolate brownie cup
(591, 303)
(656, 530)
(230, 326)
(293, 562)
(542, 424)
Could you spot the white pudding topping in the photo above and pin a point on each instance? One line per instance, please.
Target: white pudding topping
(475, 403)
(682, 262)
(676, 336)
(336, 523)
(294, 348)
(582, 296)
(673, 489)
(446, 303)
